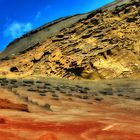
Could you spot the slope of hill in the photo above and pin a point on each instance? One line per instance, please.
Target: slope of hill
(102, 44)
(40, 34)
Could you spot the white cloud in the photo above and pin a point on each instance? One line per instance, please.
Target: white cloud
(38, 15)
(48, 7)
(16, 29)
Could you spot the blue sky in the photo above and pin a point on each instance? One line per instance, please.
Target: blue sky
(20, 16)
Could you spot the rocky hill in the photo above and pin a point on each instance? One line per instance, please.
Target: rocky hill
(102, 44)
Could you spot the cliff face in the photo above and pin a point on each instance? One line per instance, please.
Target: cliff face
(99, 45)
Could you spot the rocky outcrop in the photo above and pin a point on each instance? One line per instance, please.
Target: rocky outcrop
(6, 104)
(103, 45)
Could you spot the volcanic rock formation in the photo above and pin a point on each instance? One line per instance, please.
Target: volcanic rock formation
(6, 104)
(102, 44)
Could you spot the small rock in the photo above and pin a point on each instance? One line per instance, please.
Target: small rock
(107, 91)
(85, 97)
(42, 94)
(54, 95)
(98, 98)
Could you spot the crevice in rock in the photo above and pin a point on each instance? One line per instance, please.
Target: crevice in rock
(14, 69)
(76, 71)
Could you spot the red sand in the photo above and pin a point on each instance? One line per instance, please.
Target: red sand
(112, 119)
(83, 130)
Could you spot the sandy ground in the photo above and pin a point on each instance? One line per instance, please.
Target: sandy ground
(70, 117)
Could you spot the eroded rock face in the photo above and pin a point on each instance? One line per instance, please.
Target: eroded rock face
(6, 104)
(104, 45)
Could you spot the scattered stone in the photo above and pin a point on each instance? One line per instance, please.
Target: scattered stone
(47, 107)
(38, 82)
(83, 91)
(42, 94)
(120, 94)
(55, 98)
(68, 94)
(28, 82)
(55, 95)
(107, 91)
(33, 89)
(85, 97)
(42, 90)
(98, 98)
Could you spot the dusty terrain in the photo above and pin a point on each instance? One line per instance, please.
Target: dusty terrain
(71, 110)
